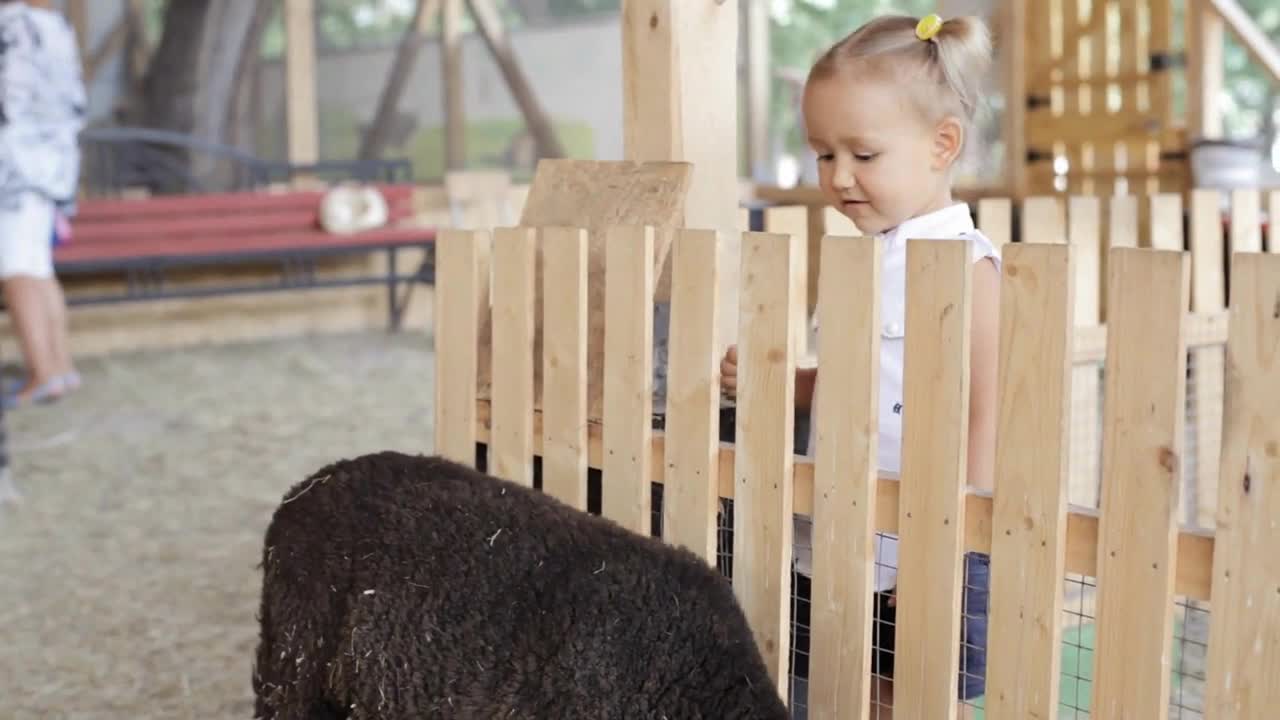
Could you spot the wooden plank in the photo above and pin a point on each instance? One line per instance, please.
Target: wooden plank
(301, 111)
(511, 450)
(628, 376)
(1246, 221)
(1195, 546)
(1044, 220)
(931, 514)
(1137, 535)
(1208, 294)
(995, 220)
(462, 295)
(766, 399)
(1029, 524)
(1244, 632)
(690, 498)
(564, 343)
(1085, 236)
(1166, 222)
(844, 490)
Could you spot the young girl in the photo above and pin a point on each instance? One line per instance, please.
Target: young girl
(888, 111)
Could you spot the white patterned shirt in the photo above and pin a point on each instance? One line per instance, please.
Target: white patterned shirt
(42, 105)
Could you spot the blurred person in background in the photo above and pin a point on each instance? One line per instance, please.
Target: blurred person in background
(42, 109)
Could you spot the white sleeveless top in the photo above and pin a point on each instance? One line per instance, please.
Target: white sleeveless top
(950, 223)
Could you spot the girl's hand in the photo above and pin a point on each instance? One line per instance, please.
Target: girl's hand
(729, 372)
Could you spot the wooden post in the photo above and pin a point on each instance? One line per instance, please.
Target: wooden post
(300, 81)
(679, 61)
(756, 18)
(455, 115)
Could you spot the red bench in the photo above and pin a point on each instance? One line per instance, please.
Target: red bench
(144, 237)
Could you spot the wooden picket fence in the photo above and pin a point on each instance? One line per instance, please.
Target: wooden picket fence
(1142, 556)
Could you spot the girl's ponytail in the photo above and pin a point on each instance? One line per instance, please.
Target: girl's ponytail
(963, 56)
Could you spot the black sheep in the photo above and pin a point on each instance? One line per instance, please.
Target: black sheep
(397, 586)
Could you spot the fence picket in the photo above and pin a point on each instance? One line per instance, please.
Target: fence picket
(1138, 530)
(691, 478)
(1244, 633)
(462, 294)
(935, 426)
(628, 376)
(1208, 294)
(1246, 223)
(1166, 222)
(845, 476)
(995, 220)
(564, 359)
(1044, 220)
(1028, 545)
(1085, 236)
(762, 517)
(514, 258)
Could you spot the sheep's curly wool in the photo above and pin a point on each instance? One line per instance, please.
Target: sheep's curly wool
(399, 586)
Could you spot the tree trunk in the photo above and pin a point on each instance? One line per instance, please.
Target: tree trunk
(190, 82)
(242, 131)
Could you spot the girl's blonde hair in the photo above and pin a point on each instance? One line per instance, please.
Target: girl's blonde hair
(943, 74)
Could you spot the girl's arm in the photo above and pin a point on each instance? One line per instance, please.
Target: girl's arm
(984, 340)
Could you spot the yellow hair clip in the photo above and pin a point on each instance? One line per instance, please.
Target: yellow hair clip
(928, 26)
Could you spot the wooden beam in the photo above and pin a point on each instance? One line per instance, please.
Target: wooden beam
(489, 23)
(680, 103)
(1249, 34)
(300, 81)
(415, 36)
(455, 113)
(1195, 546)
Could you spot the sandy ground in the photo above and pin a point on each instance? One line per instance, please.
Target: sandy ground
(128, 579)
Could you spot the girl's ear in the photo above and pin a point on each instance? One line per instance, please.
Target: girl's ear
(948, 139)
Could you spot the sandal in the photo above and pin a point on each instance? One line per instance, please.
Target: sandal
(49, 392)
